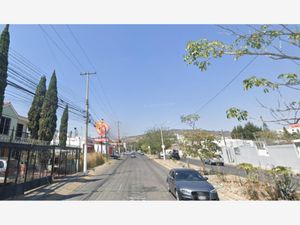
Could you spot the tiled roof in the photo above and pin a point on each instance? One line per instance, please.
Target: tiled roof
(294, 125)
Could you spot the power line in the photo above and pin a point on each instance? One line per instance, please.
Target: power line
(91, 63)
(34, 70)
(66, 46)
(58, 47)
(82, 49)
(227, 85)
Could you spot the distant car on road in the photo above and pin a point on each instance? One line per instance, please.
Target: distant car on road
(217, 160)
(115, 155)
(132, 155)
(189, 184)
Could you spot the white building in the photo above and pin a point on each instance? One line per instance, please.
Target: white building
(293, 128)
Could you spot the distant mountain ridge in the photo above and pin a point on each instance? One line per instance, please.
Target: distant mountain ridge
(135, 138)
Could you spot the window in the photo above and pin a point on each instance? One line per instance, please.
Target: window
(4, 125)
(19, 130)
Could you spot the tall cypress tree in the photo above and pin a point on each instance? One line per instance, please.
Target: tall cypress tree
(48, 118)
(4, 47)
(34, 113)
(64, 127)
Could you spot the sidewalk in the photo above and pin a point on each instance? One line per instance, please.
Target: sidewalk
(228, 191)
(65, 185)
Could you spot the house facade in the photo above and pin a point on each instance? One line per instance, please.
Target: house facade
(12, 125)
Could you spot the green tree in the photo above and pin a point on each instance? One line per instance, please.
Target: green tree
(257, 41)
(265, 127)
(190, 119)
(4, 48)
(248, 132)
(199, 144)
(34, 113)
(152, 138)
(48, 114)
(64, 127)
(237, 132)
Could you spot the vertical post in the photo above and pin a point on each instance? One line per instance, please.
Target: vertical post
(53, 161)
(59, 162)
(7, 166)
(106, 149)
(229, 158)
(86, 122)
(119, 141)
(33, 168)
(66, 162)
(27, 164)
(162, 143)
(86, 127)
(18, 166)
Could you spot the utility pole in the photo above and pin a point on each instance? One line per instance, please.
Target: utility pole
(162, 143)
(229, 157)
(87, 74)
(119, 141)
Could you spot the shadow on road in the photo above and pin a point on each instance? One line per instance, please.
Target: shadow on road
(52, 197)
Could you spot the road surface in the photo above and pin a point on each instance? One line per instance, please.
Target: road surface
(128, 179)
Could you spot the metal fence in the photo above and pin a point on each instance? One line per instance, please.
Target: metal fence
(27, 166)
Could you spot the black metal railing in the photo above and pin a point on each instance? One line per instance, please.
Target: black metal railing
(16, 136)
(27, 166)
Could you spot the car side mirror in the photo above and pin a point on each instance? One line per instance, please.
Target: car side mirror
(205, 178)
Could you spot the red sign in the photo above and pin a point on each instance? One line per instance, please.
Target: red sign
(103, 140)
(102, 128)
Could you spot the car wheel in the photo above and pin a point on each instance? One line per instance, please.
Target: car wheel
(169, 190)
(178, 198)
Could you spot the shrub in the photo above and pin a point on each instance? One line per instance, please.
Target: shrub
(284, 188)
(94, 159)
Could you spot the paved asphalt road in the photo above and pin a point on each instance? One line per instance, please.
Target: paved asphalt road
(128, 179)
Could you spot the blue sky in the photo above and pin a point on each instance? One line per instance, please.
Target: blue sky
(142, 79)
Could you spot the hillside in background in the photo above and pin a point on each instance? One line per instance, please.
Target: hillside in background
(178, 131)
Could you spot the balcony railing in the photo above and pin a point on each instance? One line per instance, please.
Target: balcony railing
(14, 136)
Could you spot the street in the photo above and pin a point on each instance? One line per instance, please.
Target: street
(127, 179)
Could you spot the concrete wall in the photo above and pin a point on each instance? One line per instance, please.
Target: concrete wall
(273, 155)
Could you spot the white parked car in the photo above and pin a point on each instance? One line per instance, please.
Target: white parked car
(217, 160)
